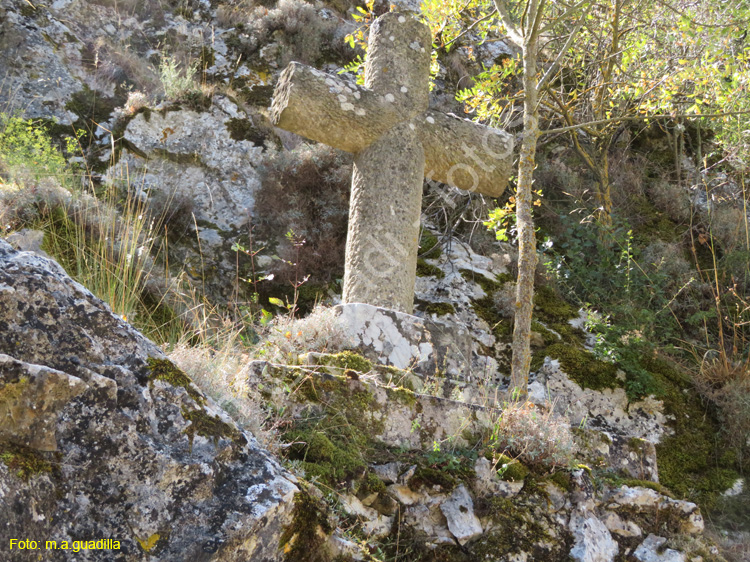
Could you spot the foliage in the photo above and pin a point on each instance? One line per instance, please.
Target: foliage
(103, 237)
(305, 191)
(177, 82)
(26, 151)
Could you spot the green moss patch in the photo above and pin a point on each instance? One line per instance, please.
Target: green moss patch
(23, 461)
(426, 476)
(348, 360)
(437, 308)
(486, 309)
(488, 285)
(510, 469)
(583, 368)
(517, 528)
(211, 427)
(561, 479)
(551, 307)
(243, 129)
(330, 454)
(303, 539)
(428, 245)
(334, 437)
(425, 269)
(695, 463)
(165, 370)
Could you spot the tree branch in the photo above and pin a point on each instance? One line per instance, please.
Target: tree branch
(468, 29)
(645, 118)
(510, 28)
(555, 65)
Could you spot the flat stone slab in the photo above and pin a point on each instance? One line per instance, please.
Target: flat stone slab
(404, 341)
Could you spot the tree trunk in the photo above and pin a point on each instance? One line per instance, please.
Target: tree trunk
(526, 237)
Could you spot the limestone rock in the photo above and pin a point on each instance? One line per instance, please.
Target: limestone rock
(593, 543)
(402, 340)
(651, 550)
(647, 501)
(459, 512)
(488, 483)
(606, 409)
(620, 526)
(150, 463)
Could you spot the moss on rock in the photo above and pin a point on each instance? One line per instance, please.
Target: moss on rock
(694, 462)
(211, 427)
(583, 368)
(23, 461)
(425, 269)
(551, 307)
(511, 469)
(165, 370)
(428, 245)
(348, 360)
(303, 539)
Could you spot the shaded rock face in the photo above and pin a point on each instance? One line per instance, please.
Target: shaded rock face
(102, 439)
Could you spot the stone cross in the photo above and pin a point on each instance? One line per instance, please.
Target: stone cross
(396, 141)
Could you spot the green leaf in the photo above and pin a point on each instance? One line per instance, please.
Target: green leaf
(277, 302)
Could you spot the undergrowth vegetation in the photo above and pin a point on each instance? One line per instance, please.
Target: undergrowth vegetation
(102, 235)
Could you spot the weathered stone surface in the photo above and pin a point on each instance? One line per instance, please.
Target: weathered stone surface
(459, 512)
(488, 484)
(396, 417)
(138, 460)
(605, 409)
(192, 157)
(644, 500)
(630, 455)
(593, 543)
(31, 397)
(405, 341)
(651, 550)
(620, 526)
(384, 213)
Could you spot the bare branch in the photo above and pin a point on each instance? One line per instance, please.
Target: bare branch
(468, 29)
(645, 118)
(567, 13)
(510, 27)
(555, 65)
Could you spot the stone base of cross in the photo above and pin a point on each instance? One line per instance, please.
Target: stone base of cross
(397, 142)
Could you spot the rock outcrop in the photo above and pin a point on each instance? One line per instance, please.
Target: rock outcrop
(101, 437)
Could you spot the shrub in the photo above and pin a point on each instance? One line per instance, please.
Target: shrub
(101, 235)
(177, 83)
(320, 331)
(306, 191)
(726, 383)
(535, 436)
(295, 25)
(26, 152)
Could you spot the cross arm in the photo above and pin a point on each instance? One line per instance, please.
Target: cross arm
(465, 154)
(349, 117)
(330, 110)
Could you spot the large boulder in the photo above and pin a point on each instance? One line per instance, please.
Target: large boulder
(101, 437)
